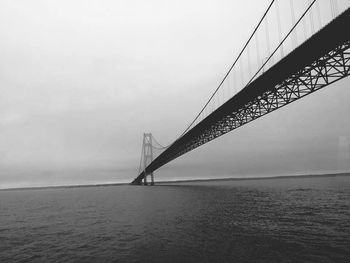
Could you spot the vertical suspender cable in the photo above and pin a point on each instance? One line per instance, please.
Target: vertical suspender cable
(241, 70)
(228, 87)
(332, 8)
(257, 49)
(305, 29)
(267, 38)
(234, 81)
(336, 11)
(294, 34)
(279, 28)
(311, 20)
(234, 63)
(318, 15)
(249, 66)
(222, 97)
(290, 31)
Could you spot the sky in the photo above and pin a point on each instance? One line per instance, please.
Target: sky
(81, 81)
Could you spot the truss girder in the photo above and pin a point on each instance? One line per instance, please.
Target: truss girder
(320, 61)
(330, 68)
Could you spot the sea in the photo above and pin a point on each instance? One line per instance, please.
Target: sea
(304, 219)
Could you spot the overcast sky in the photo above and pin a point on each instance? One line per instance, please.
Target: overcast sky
(81, 81)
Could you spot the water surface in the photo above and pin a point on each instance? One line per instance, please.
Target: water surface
(275, 220)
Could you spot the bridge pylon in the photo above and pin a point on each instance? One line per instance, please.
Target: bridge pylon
(147, 157)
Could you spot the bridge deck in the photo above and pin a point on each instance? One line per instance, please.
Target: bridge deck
(328, 39)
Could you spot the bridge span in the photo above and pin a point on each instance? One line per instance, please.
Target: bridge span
(321, 60)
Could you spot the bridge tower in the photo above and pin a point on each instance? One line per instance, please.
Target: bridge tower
(147, 155)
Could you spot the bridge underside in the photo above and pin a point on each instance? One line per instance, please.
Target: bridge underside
(318, 62)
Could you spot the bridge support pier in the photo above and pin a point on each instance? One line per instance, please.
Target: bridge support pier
(147, 151)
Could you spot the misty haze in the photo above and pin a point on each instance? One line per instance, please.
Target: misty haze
(174, 131)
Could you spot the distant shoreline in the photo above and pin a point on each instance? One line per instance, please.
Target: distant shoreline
(62, 186)
(179, 181)
(255, 178)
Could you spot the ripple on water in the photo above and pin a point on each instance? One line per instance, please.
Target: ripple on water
(302, 220)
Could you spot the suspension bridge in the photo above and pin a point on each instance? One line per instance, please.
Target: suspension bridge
(297, 48)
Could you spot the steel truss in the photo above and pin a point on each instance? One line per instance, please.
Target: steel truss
(328, 69)
(321, 60)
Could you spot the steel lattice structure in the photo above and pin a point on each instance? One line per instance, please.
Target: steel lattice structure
(326, 70)
(321, 60)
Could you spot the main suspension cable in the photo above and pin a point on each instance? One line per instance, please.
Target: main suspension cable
(290, 31)
(232, 66)
(161, 146)
(228, 72)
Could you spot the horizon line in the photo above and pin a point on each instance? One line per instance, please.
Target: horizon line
(179, 181)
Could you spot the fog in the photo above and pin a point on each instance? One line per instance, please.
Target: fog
(81, 81)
